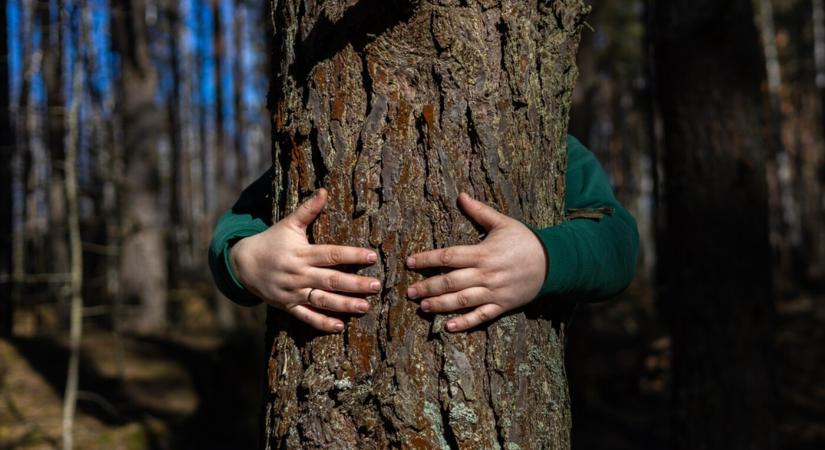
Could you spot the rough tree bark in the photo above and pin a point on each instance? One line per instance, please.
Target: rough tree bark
(143, 256)
(7, 147)
(715, 256)
(396, 107)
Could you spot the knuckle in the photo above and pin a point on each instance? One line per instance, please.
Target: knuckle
(334, 282)
(335, 256)
(483, 316)
(287, 280)
(490, 278)
(462, 299)
(446, 256)
(320, 300)
(447, 283)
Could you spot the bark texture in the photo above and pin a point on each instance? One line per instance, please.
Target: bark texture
(715, 256)
(396, 107)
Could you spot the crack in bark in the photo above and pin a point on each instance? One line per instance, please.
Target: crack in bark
(360, 25)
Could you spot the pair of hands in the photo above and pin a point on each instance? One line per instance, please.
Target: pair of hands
(503, 272)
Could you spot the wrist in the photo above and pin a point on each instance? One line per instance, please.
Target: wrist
(236, 255)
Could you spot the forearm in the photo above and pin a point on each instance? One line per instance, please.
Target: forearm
(590, 259)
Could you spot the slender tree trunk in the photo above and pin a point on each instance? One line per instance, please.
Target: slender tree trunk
(717, 291)
(819, 50)
(22, 258)
(7, 155)
(176, 235)
(225, 310)
(143, 257)
(238, 81)
(786, 233)
(52, 48)
(75, 246)
(815, 241)
(396, 107)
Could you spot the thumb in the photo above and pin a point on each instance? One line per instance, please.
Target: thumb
(309, 210)
(480, 212)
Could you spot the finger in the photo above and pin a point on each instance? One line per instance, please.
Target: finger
(455, 301)
(450, 282)
(456, 257)
(480, 212)
(335, 281)
(317, 320)
(308, 210)
(474, 318)
(334, 255)
(335, 302)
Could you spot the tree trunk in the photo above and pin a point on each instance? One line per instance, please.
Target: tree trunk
(396, 107)
(7, 155)
(813, 208)
(785, 224)
(715, 256)
(175, 236)
(75, 284)
(52, 47)
(143, 260)
(238, 80)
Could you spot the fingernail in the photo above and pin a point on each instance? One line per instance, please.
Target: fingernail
(411, 262)
(451, 326)
(339, 326)
(412, 293)
(363, 307)
(425, 306)
(375, 286)
(372, 257)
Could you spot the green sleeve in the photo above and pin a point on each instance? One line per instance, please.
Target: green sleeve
(589, 258)
(250, 215)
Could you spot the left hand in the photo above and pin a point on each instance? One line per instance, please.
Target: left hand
(503, 272)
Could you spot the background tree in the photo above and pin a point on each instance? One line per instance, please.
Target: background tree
(396, 107)
(715, 257)
(144, 247)
(7, 146)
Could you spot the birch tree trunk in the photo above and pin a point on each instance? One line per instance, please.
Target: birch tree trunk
(396, 107)
(714, 254)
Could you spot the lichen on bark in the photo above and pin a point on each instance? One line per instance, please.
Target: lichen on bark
(395, 107)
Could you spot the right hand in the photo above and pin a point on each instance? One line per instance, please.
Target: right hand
(281, 267)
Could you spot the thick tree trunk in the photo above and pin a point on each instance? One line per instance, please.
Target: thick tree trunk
(396, 107)
(143, 257)
(7, 155)
(715, 255)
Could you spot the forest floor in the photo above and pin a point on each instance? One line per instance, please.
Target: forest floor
(200, 388)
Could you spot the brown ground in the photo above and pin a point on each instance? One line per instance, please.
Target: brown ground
(177, 391)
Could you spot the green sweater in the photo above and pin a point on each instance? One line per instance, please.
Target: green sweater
(592, 256)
